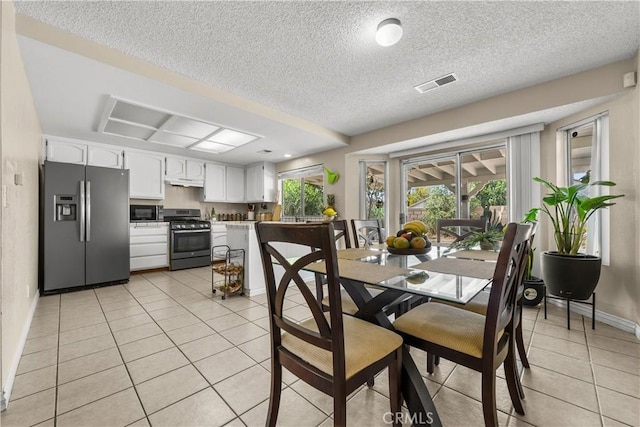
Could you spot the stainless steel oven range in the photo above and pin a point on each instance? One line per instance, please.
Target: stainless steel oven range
(189, 239)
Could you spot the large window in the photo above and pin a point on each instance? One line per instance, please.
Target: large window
(469, 184)
(302, 193)
(586, 149)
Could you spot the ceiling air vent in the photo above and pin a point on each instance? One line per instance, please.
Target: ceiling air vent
(264, 151)
(436, 83)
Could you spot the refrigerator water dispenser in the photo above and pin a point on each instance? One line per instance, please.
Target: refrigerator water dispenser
(66, 207)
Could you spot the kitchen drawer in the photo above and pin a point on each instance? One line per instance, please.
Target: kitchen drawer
(148, 249)
(148, 230)
(135, 240)
(148, 262)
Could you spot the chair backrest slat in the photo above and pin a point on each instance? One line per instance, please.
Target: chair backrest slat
(341, 231)
(320, 242)
(507, 277)
(367, 230)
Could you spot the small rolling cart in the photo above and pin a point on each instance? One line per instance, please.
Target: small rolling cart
(228, 263)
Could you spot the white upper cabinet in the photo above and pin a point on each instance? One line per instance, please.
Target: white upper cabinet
(194, 170)
(146, 175)
(83, 153)
(235, 184)
(66, 152)
(261, 182)
(175, 168)
(184, 169)
(105, 157)
(214, 183)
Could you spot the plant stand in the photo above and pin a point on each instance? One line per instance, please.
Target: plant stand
(568, 299)
(229, 263)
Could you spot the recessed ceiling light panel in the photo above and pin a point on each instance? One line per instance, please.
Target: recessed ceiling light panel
(127, 130)
(189, 127)
(212, 147)
(173, 139)
(232, 137)
(136, 114)
(129, 120)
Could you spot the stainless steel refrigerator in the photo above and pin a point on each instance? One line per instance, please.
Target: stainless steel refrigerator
(84, 226)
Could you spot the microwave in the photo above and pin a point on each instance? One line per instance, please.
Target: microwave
(146, 213)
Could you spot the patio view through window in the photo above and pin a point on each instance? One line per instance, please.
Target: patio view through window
(431, 184)
(374, 183)
(302, 194)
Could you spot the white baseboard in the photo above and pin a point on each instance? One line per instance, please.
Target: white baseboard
(13, 369)
(611, 320)
(255, 292)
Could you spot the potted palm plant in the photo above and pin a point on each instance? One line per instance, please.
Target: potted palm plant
(488, 240)
(566, 272)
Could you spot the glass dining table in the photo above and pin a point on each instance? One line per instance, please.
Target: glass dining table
(406, 280)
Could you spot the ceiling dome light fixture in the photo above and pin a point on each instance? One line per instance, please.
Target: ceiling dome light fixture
(389, 32)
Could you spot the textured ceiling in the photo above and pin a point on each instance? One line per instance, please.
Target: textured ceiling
(319, 61)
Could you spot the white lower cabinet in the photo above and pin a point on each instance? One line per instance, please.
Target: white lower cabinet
(244, 237)
(149, 245)
(218, 234)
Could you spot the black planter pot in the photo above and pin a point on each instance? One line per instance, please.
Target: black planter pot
(533, 291)
(576, 275)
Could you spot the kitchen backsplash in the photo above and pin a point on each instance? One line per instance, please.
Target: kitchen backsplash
(189, 197)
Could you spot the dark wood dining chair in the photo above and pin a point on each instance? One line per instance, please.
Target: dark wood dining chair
(341, 230)
(331, 352)
(369, 231)
(481, 343)
(341, 227)
(458, 228)
(480, 302)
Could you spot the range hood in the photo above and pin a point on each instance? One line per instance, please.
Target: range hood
(185, 182)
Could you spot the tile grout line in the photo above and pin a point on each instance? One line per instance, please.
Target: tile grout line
(133, 385)
(593, 373)
(185, 356)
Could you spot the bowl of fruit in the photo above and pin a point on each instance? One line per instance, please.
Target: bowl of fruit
(410, 240)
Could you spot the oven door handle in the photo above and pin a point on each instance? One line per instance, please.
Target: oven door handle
(191, 231)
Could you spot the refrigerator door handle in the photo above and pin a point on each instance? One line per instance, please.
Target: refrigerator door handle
(82, 211)
(88, 219)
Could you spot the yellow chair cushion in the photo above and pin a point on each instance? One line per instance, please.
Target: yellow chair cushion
(348, 306)
(478, 304)
(364, 344)
(441, 324)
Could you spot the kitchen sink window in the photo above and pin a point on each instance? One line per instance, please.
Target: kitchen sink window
(302, 193)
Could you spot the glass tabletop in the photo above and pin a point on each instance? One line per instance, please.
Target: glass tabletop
(423, 281)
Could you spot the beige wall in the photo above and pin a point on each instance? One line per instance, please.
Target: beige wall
(20, 140)
(619, 289)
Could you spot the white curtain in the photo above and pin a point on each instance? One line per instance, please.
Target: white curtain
(598, 226)
(523, 162)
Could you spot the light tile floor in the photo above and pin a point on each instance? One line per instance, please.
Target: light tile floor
(162, 351)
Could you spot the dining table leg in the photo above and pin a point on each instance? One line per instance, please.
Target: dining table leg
(415, 393)
(422, 411)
